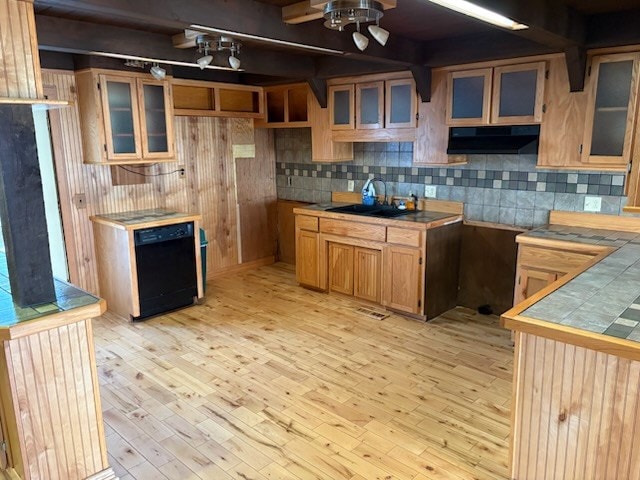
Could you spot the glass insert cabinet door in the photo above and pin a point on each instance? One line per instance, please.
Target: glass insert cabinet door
(121, 120)
(155, 118)
(613, 90)
(369, 105)
(469, 97)
(518, 93)
(341, 107)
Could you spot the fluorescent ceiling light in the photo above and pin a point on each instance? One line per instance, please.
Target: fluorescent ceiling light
(257, 38)
(481, 13)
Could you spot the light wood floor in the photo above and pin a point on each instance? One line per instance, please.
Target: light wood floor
(271, 381)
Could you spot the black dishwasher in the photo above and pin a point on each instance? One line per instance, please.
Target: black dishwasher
(166, 267)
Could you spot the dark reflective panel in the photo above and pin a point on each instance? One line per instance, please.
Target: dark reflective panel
(518, 93)
(156, 118)
(401, 104)
(121, 113)
(369, 106)
(467, 97)
(341, 113)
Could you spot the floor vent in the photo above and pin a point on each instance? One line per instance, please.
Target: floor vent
(371, 313)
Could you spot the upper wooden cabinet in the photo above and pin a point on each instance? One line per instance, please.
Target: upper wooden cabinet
(506, 95)
(126, 118)
(373, 103)
(197, 98)
(611, 110)
(287, 106)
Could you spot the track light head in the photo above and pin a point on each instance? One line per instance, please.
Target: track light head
(379, 34)
(158, 72)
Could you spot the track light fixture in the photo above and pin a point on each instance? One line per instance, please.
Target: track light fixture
(206, 47)
(340, 13)
(158, 72)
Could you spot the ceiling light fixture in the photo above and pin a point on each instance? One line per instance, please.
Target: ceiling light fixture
(228, 43)
(481, 13)
(340, 13)
(203, 48)
(158, 72)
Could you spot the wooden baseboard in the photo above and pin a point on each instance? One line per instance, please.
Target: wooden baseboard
(241, 268)
(107, 474)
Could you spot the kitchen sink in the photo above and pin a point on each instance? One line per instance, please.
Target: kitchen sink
(382, 211)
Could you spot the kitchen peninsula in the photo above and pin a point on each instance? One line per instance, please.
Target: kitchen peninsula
(50, 413)
(577, 354)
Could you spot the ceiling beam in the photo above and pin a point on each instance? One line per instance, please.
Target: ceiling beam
(576, 59)
(319, 88)
(63, 35)
(613, 29)
(243, 16)
(422, 77)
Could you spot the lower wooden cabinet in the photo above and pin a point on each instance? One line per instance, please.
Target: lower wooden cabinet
(307, 271)
(540, 266)
(367, 274)
(341, 268)
(403, 273)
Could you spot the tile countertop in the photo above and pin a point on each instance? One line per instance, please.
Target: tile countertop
(136, 219)
(423, 216)
(605, 298)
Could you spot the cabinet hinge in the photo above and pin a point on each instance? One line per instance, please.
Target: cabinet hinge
(417, 116)
(419, 303)
(546, 74)
(3, 446)
(580, 149)
(420, 261)
(104, 145)
(98, 85)
(589, 71)
(544, 108)
(519, 280)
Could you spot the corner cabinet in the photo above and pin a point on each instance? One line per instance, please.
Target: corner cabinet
(508, 95)
(127, 119)
(611, 110)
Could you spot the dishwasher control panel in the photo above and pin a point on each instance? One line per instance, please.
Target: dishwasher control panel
(162, 234)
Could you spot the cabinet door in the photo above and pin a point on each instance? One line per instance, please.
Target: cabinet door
(369, 105)
(156, 119)
(530, 281)
(341, 105)
(400, 103)
(518, 94)
(121, 118)
(341, 268)
(307, 272)
(611, 110)
(469, 97)
(366, 274)
(402, 278)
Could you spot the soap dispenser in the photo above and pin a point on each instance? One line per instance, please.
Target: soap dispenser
(368, 193)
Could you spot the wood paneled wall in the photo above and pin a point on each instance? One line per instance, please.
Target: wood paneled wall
(205, 148)
(19, 59)
(56, 400)
(575, 413)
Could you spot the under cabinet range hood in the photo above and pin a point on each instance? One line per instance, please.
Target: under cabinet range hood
(513, 139)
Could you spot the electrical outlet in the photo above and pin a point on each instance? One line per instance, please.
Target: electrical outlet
(430, 191)
(181, 171)
(592, 204)
(79, 200)
(289, 181)
(351, 185)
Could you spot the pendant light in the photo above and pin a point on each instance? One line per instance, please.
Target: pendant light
(158, 72)
(203, 48)
(340, 13)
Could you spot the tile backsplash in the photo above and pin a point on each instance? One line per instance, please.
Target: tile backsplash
(506, 189)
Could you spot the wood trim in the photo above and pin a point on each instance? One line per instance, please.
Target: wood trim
(168, 118)
(540, 68)
(375, 135)
(595, 220)
(185, 217)
(55, 320)
(240, 268)
(369, 78)
(486, 73)
(586, 248)
(44, 102)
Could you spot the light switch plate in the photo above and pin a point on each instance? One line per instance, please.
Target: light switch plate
(351, 185)
(430, 191)
(592, 204)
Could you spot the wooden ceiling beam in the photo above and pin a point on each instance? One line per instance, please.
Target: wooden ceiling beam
(576, 60)
(422, 77)
(319, 88)
(243, 16)
(73, 36)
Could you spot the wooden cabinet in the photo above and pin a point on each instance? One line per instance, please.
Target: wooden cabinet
(307, 251)
(404, 270)
(340, 268)
(512, 94)
(287, 106)
(611, 110)
(538, 266)
(367, 269)
(126, 119)
(373, 103)
(341, 107)
(197, 98)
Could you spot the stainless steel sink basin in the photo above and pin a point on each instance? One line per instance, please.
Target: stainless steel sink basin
(382, 211)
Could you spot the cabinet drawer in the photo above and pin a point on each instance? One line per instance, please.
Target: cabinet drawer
(550, 259)
(401, 236)
(306, 222)
(353, 229)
